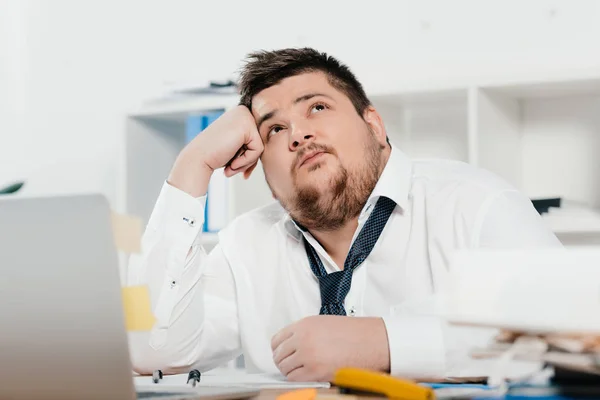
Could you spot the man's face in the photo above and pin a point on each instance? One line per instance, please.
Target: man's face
(321, 159)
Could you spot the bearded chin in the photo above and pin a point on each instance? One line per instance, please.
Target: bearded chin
(324, 211)
(331, 206)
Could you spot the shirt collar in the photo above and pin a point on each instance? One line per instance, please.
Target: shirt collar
(395, 180)
(394, 183)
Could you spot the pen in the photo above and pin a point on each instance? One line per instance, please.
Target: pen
(157, 375)
(194, 377)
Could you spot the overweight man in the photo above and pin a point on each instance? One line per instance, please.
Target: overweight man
(346, 266)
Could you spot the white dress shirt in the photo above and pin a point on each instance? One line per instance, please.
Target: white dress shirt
(257, 280)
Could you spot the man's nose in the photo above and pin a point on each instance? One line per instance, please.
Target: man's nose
(302, 133)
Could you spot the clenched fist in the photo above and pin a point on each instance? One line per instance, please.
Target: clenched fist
(215, 148)
(313, 348)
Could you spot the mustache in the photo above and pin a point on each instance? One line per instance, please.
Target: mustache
(311, 147)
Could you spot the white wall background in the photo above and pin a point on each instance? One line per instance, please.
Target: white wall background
(70, 69)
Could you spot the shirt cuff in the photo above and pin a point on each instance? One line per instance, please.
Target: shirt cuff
(416, 346)
(177, 211)
(175, 225)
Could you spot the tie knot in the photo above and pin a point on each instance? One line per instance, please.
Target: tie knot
(332, 309)
(334, 288)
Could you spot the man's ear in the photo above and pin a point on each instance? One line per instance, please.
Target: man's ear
(375, 122)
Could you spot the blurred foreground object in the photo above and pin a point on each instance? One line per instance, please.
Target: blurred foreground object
(362, 380)
(12, 188)
(568, 342)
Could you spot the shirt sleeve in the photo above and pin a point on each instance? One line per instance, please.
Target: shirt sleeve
(416, 344)
(509, 220)
(422, 344)
(192, 293)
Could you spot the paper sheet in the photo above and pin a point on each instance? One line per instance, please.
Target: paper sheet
(127, 232)
(137, 309)
(230, 378)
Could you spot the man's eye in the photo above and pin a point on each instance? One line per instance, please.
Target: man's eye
(275, 130)
(318, 107)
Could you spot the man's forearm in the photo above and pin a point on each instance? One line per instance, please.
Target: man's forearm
(190, 174)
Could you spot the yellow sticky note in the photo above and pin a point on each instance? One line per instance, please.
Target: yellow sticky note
(136, 304)
(301, 394)
(127, 231)
(336, 397)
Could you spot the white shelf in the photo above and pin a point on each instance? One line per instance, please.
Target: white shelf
(178, 108)
(155, 134)
(549, 87)
(432, 123)
(573, 220)
(547, 146)
(424, 96)
(541, 133)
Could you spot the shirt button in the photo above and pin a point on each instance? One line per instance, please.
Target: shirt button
(173, 284)
(190, 221)
(352, 312)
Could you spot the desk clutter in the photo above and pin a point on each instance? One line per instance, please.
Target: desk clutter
(545, 305)
(565, 363)
(571, 363)
(349, 382)
(221, 377)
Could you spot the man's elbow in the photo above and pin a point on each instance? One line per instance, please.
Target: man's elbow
(145, 359)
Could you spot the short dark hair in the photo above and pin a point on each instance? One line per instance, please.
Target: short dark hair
(264, 69)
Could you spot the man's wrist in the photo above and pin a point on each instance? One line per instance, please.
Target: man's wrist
(190, 175)
(376, 347)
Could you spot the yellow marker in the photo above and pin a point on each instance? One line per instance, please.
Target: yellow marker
(127, 232)
(136, 305)
(385, 384)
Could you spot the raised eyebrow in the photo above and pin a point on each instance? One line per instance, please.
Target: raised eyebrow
(265, 117)
(309, 96)
(300, 99)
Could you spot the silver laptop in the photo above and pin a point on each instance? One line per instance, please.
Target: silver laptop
(62, 333)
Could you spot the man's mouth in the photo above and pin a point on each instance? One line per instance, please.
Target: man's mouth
(311, 157)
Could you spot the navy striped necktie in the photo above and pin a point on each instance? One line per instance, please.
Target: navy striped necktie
(335, 286)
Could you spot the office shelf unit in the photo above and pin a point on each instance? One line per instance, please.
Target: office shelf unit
(541, 133)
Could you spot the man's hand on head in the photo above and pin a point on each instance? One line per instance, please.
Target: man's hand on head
(313, 348)
(215, 148)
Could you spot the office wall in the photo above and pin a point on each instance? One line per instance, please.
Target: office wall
(71, 69)
(13, 65)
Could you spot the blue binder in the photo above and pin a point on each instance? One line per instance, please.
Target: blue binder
(198, 122)
(195, 124)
